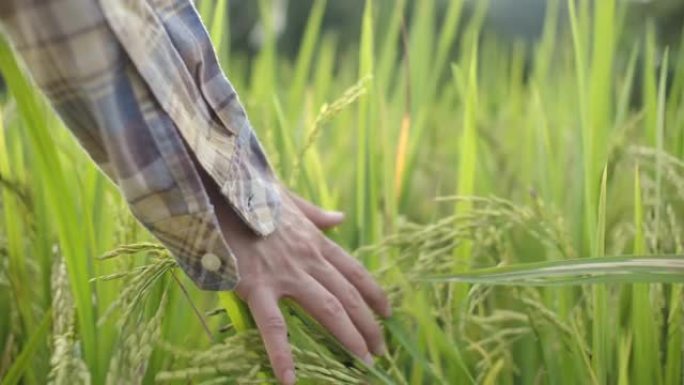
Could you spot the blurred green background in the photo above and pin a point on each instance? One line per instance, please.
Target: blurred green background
(510, 19)
(563, 148)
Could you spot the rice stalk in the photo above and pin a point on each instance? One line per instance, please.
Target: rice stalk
(241, 358)
(67, 367)
(136, 343)
(326, 113)
(142, 280)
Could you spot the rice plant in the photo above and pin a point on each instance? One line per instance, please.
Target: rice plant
(521, 203)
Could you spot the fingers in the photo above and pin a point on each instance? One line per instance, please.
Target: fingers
(357, 274)
(264, 307)
(321, 218)
(331, 314)
(353, 303)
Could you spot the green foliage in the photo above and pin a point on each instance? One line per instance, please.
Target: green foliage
(554, 257)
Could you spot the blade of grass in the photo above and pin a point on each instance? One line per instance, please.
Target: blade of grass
(445, 42)
(645, 364)
(467, 165)
(305, 56)
(674, 339)
(366, 188)
(403, 338)
(650, 86)
(387, 60)
(661, 104)
(23, 360)
(626, 89)
(467, 83)
(237, 311)
(602, 337)
(217, 28)
(62, 204)
(600, 270)
(15, 227)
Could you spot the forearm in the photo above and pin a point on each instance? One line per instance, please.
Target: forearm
(132, 109)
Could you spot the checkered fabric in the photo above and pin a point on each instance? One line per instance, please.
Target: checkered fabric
(135, 81)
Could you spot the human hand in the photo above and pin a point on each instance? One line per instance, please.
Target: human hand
(299, 262)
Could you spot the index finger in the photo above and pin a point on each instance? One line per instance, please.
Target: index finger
(357, 274)
(264, 307)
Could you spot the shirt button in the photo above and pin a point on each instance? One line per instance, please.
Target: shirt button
(211, 262)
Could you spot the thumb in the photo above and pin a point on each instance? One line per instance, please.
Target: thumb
(323, 219)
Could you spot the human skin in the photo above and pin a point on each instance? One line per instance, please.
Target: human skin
(297, 261)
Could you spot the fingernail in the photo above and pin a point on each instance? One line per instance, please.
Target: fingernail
(380, 350)
(337, 214)
(289, 377)
(368, 359)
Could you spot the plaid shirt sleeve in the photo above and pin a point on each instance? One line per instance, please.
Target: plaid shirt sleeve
(136, 81)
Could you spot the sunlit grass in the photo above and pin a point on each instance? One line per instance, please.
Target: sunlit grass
(554, 257)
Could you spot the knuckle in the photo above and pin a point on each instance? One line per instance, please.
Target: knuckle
(358, 346)
(246, 288)
(354, 300)
(281, 358)
(275, 324)
(332, 307)
(330, 247)
(357, 273)
(374, 334)
(304, 247)
(322, 270)
(309, 250)
(379, 298)
(291, 284)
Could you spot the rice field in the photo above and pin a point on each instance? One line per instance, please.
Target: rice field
(522, 203)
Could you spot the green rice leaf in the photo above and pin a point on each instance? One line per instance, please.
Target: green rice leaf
(23, 361)
(616, 269)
